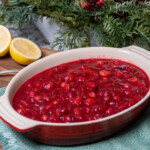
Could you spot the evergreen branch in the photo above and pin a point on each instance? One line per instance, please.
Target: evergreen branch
(71, 38)
(142, 32)
(17, 13)
(118, 23)
(130, 6)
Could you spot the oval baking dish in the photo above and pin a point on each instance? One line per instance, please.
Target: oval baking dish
(78, 132)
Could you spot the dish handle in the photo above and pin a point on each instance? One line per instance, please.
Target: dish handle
(137, 48)
(14, 119)
(1, 99)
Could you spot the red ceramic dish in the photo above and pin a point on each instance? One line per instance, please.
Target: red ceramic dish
(74, 132)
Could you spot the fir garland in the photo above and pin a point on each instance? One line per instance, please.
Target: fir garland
(115, 23)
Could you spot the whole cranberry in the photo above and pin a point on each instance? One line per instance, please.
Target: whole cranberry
(44, 117)
(91, 85)
(49, 85)
(32, 93)
(81, 79)
(78, 111)
(90, 101)
(104, 73)
(69, 78)
(38, 84)
(116, 62)
(67, 118)
(20, 110)
(99, 63)
(92, 95)
(127, 85)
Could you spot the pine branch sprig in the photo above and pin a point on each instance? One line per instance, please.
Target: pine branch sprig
(114, 23)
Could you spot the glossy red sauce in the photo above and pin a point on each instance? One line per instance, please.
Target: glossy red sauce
(82, 90)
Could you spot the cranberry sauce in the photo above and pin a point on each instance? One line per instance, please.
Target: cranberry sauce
(82, 90)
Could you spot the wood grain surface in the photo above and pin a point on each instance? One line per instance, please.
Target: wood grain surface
(8, 63)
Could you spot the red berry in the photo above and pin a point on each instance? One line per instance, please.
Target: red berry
(79, 98)
(106, 93)
(48, 107)
(140, 84)
(127, 92)
(80, 3)
(100, 93)
(116, 62)
(67, 118)
(20, 110)
(96, 108)
(38, 84)
(92, 95)
(101, 5)
(98, 3)
(83, 67)
(29, 85)
(62, 84)
(32, 93)
(49, 85)
(109, 111)
(67, 87)
(104, 78)
(80, 79)
(99, 63)
(137, 97)
(87, 5)
(76, 102)
(134, 80)
(58, 112)
(87, 109)
(130, 103)
(44, 117)
(78, 113)
(106, 98)
(32, 100)
(122, 106)
(90, 101)
(69, 78)
(37, 98)
(52, 118)
(116, 97)
(127, 85)
(72, 72)
(46, 97)
(56, 102)
(118, 74)
(91, 85)
(104, 73)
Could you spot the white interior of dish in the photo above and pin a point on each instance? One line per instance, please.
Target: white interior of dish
(139, 59)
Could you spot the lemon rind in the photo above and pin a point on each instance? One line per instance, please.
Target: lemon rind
(6, 48)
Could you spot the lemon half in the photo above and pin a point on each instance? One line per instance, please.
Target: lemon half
(24, 51)
(5, 40)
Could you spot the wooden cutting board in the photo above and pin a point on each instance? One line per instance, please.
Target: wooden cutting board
(8, 63)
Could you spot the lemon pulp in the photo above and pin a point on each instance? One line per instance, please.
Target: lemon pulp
(24, 51)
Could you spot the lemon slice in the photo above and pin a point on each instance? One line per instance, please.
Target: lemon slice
(24, 51)
(5, 40)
